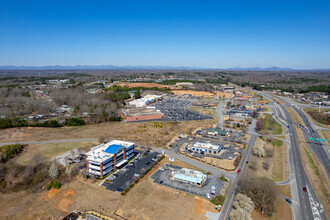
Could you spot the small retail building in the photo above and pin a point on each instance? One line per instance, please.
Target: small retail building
(206, 148)
(216, 131)
(190, 176)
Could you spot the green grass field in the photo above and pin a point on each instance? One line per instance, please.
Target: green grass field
(277, 174)
(312, 163)
(270, 125)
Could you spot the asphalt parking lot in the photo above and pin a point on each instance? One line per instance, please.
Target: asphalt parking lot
(92, 217)
(178, 110)
(163, 177)
(125, 176)
(232, 137)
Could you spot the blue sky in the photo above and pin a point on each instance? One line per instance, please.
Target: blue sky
(217, 34)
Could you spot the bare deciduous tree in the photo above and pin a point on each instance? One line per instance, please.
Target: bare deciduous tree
(253, 165)
(259, 150)
(262, 191)
(72, 170)
(240, 214)
(244, 202)
(53, 171)
(269, 152)
(266, 165)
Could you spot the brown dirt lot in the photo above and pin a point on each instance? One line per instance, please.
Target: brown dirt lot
(146, 85)
(283, 211)
(143, 201)
(193, 93)
(144, 133)
(222, 164)
(221, 94)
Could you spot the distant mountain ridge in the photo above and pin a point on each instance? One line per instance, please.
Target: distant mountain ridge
(105, 67)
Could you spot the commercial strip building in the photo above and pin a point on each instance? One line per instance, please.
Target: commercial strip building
(216, 131)
(108, 156)
(205, 148)
(190, 176)
(141, 114)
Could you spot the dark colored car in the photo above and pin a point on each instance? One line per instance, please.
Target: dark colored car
(238, 171)
(304, 188)
(289, 201)
(247, 162)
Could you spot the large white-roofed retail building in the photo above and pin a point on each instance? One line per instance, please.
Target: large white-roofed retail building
(106, 157)
(146, 100)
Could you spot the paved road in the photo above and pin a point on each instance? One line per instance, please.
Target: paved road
(219, 111)
(316, 146)
(200, 165)
(228, 204)
(49, 142)
(306, 202)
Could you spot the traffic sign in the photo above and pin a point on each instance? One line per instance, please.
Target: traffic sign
(320, 139)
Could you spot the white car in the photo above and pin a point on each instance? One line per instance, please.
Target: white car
(208, 195)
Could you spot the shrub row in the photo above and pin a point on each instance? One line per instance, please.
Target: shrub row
(54, 184)
(74, 122)
(9, 151)
(17, 122)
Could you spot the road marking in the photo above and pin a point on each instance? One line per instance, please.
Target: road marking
(232, 196)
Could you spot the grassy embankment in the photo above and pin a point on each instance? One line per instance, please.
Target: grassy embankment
(270, 125)
(320, 118)
(206, 111)
(49, 151)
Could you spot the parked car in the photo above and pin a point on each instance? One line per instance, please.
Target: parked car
(208, 195)
(304, 189)
(289, 201)
(238, 171)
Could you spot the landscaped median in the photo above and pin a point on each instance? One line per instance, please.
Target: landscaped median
(142, 175)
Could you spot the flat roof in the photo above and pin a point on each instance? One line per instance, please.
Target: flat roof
(104, 151)
(190, 175)
(206, 146)
(121, 163)
(129, 112)
(112, 149)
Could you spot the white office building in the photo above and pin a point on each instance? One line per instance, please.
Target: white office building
(106, 157)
